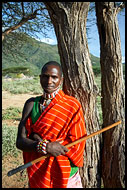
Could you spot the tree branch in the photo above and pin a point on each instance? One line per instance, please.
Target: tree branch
(120, 7)
(22, 5)
(21, 22)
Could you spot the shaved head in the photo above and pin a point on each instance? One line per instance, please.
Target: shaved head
(54, 63)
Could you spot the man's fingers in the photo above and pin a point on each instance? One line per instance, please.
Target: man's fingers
(65, 149)
(56, 149)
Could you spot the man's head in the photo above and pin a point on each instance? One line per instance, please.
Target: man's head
(51, 76)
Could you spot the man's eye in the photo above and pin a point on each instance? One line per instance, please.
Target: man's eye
(54, 77)
(45, 76)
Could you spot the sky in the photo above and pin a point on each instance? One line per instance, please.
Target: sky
(93, 40)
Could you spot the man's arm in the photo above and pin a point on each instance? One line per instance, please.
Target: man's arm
(23, 143)
(29, 144)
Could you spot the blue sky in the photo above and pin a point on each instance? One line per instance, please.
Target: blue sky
(93, 42)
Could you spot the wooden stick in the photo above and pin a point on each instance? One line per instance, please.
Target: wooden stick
(12, 172)
(93, 134)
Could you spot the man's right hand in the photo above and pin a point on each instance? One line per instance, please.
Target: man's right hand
(56, 149)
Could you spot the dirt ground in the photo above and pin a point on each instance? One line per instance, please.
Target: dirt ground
(15, 100)
(20, 179)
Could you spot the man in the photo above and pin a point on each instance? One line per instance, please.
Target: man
(48, 123)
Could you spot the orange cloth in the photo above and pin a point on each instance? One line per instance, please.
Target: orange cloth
(61, 120)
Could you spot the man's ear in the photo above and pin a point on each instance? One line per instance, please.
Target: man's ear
(61, 82)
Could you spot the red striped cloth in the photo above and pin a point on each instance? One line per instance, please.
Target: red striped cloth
(61, 120)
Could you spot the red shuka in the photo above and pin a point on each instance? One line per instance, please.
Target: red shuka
(61, 120)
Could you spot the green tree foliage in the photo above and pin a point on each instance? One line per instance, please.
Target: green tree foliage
(24, 18)
(28, 17)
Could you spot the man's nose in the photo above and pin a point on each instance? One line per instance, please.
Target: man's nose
(49, 80)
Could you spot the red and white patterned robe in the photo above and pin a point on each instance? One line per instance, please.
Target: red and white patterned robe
(61, 120)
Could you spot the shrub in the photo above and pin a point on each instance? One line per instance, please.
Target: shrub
(9, 135)
(16, 70)
(22, 86)
(11, 113)
(96, 70)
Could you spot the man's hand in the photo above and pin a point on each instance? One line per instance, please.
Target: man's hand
(56, 149)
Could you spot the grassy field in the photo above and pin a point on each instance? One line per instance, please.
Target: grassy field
(22, 86)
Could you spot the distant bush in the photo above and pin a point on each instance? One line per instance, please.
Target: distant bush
(96, 70)
(17, 70)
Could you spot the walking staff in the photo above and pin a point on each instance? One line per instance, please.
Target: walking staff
(20, 168)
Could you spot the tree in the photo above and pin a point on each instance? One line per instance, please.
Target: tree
(28, 17)
(19, 19)
(113, 157)
(69, 20)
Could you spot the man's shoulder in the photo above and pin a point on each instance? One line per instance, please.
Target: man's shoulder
(32, 100)
(72, 100)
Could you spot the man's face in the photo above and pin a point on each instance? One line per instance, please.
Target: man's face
(50, 78)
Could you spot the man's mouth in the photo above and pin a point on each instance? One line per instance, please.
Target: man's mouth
(49, 86)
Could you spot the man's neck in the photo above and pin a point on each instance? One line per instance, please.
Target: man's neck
(50, 95)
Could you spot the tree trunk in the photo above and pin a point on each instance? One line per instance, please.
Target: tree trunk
(113, 158)
(69, 20)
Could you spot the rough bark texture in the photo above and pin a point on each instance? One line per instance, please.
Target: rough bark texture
(113, 158)
(69, 20)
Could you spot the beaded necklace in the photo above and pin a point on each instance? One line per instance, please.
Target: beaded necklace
(46, 99)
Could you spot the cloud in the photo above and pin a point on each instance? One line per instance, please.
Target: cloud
(48, 41)
(123, 59)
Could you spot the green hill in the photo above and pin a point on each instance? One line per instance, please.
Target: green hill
(33, 55)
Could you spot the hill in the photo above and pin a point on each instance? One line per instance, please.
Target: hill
(32, 56)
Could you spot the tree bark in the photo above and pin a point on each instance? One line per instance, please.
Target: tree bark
(113, 158)
(69, 20)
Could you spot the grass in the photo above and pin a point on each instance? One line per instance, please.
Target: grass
(9, 134)
(11, 113)
(22, 86)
